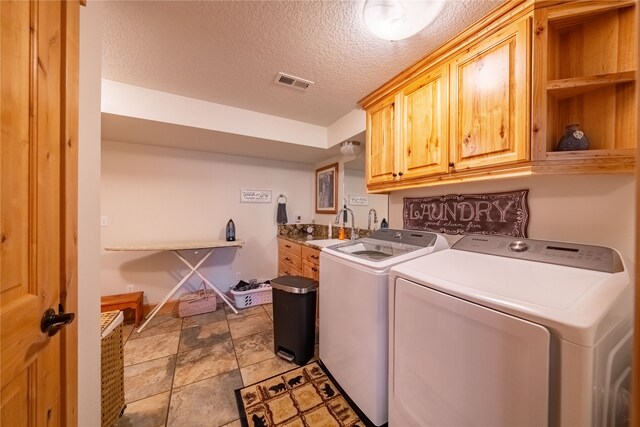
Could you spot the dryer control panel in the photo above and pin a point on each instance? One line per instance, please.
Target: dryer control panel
(588, 257)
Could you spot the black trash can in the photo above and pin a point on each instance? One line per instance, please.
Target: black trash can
(294, 317)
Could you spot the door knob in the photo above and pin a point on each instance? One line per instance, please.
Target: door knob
(51, 322)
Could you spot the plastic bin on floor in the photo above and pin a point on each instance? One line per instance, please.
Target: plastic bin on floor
(294, 318)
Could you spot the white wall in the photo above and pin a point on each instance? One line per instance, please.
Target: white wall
(155, 194)
(593, 209)
(89, 379)
(354, 184)
(351, 182)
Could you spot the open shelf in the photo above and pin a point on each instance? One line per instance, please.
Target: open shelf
(566, 88)
(591, 66)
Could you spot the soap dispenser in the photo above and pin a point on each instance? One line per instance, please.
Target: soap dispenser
(231, 231)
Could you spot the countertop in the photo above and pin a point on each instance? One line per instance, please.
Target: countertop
(304, 240)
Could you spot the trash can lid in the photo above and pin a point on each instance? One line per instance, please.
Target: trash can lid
(294, 284)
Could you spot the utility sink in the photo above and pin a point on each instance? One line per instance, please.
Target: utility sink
(326, 242)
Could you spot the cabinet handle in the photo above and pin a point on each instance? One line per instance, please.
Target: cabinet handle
(287, 259)
(394, 174)
(451, 164)
(314, 257)
(314, 269)
(287, 246)
(400, 173)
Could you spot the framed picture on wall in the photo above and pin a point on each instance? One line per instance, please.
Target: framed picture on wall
(327, 189)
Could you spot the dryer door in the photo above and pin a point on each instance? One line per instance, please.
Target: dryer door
(455, 363)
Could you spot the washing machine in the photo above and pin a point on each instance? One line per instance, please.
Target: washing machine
(498, 331)
(354, 306)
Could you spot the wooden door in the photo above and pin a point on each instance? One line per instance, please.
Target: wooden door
(38, 210)
(425, 139)
(381, 142)
(490, 100)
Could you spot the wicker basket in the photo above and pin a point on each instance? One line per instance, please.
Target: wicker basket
(198, 302)
(112, 367)
(261, 295)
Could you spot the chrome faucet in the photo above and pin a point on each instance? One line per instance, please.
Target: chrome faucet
(353, 221)
(375, 219)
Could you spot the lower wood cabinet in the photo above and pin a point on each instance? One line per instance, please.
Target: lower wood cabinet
(310, 263)
(289, 258)
(295, 259)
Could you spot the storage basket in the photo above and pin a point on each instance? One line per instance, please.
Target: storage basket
(261, 295)
(198, 302)
(112, 367)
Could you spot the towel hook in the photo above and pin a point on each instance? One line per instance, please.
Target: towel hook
(282, 196)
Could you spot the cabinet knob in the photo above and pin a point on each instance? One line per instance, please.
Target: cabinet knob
(451, 164)
(394, 174)
(400, 173)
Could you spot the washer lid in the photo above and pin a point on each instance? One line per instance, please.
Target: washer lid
(579, 305)
(386, 243)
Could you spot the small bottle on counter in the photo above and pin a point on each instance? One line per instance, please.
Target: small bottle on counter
(384, 223)
(231, 231)
(341, 233)
(330, 230)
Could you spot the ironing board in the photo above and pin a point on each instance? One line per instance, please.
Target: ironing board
(206, 246)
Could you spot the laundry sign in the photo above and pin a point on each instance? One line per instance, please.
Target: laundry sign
(492, 213)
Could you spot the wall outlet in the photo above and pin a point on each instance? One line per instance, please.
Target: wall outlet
(237, 275)
(130, 288)
(104, 221)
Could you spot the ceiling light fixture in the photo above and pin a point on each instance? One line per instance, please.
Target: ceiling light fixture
(399, 19)
(351, 148)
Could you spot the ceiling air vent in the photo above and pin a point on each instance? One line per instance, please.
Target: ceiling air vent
(292, 81)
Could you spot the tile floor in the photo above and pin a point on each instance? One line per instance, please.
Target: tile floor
(183, 372)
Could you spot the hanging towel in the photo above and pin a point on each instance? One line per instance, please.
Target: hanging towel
(282, 213)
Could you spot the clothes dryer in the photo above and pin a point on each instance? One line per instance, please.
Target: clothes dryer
(501, 331)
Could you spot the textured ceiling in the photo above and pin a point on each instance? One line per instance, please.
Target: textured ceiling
(229, 52)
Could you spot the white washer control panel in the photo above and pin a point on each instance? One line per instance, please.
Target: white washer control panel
(576, 255)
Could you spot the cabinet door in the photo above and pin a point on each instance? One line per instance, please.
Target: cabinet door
(310, 270)
(489, 100)
(424, 148)
(381, 159)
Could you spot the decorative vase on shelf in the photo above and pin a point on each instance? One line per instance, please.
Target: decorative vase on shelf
(231, 231)
(573, 139)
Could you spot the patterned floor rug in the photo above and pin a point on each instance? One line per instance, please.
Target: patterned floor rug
(302, 397)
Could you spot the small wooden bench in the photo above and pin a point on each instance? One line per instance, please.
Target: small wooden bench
(132, 300)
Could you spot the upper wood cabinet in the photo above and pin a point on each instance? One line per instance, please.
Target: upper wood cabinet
(381, 148)
(495, 100)
(489, 93)
(407, 133)
(424, 140)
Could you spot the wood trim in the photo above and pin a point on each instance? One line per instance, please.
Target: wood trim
(69, 147)
(493, 21)
(539, 41)
(169, 307)
(635, 362)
